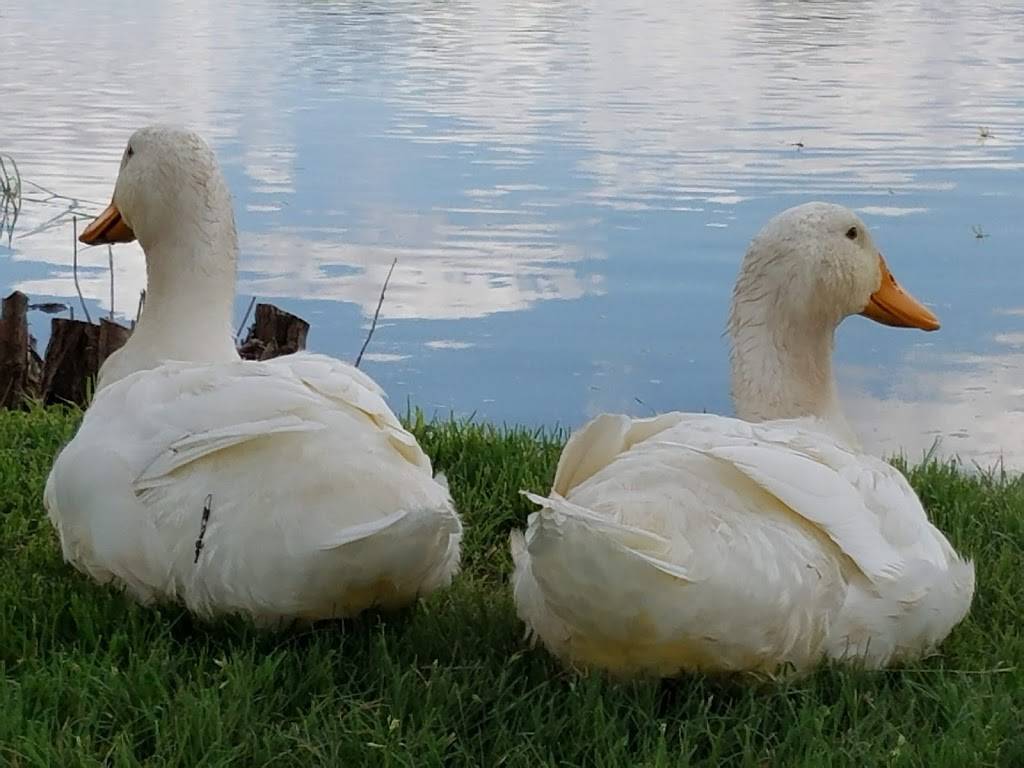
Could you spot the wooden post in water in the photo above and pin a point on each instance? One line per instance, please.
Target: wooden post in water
(77, 349)
(273, 333)
(19, 364)
(74, 355)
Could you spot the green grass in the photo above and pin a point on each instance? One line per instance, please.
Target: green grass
(88, 678)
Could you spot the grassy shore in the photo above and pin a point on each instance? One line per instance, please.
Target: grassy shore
(88, 678)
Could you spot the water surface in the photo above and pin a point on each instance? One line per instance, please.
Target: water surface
(568, 186)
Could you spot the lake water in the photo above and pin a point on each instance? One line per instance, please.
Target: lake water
(568, 186)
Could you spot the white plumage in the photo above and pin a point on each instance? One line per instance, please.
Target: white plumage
(317, 502)
(692, 541)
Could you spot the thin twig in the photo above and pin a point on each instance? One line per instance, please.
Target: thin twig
(110, 261)
(376, 314)
(14, 193)
(245, 319)
(138, 312)
(11, 192)
(57, 196)
(54, 221)
(202, 525)
(645, 405)
(74, 223)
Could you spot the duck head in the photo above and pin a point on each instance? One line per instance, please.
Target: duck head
(818, 263)
(807, 270)
(170, 194)
(169, 190)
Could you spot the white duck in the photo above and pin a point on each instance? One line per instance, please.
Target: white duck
(284, 489)
(701, 542)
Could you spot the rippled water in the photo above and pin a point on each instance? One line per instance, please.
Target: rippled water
(568, 186)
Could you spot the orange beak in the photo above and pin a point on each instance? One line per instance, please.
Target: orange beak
(108, 227)
(891, 305)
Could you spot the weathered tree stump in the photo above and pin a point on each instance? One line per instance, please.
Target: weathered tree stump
(273, 333)
(74, 355)
(20, 366)
(77, 349)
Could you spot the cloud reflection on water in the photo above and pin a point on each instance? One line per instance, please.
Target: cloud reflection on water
(614, 156)
(968, 407)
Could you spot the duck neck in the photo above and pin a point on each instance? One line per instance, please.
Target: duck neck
(190, 293)
(782, 367)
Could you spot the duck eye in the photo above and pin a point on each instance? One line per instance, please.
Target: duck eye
(851, 233)
(130, 151)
